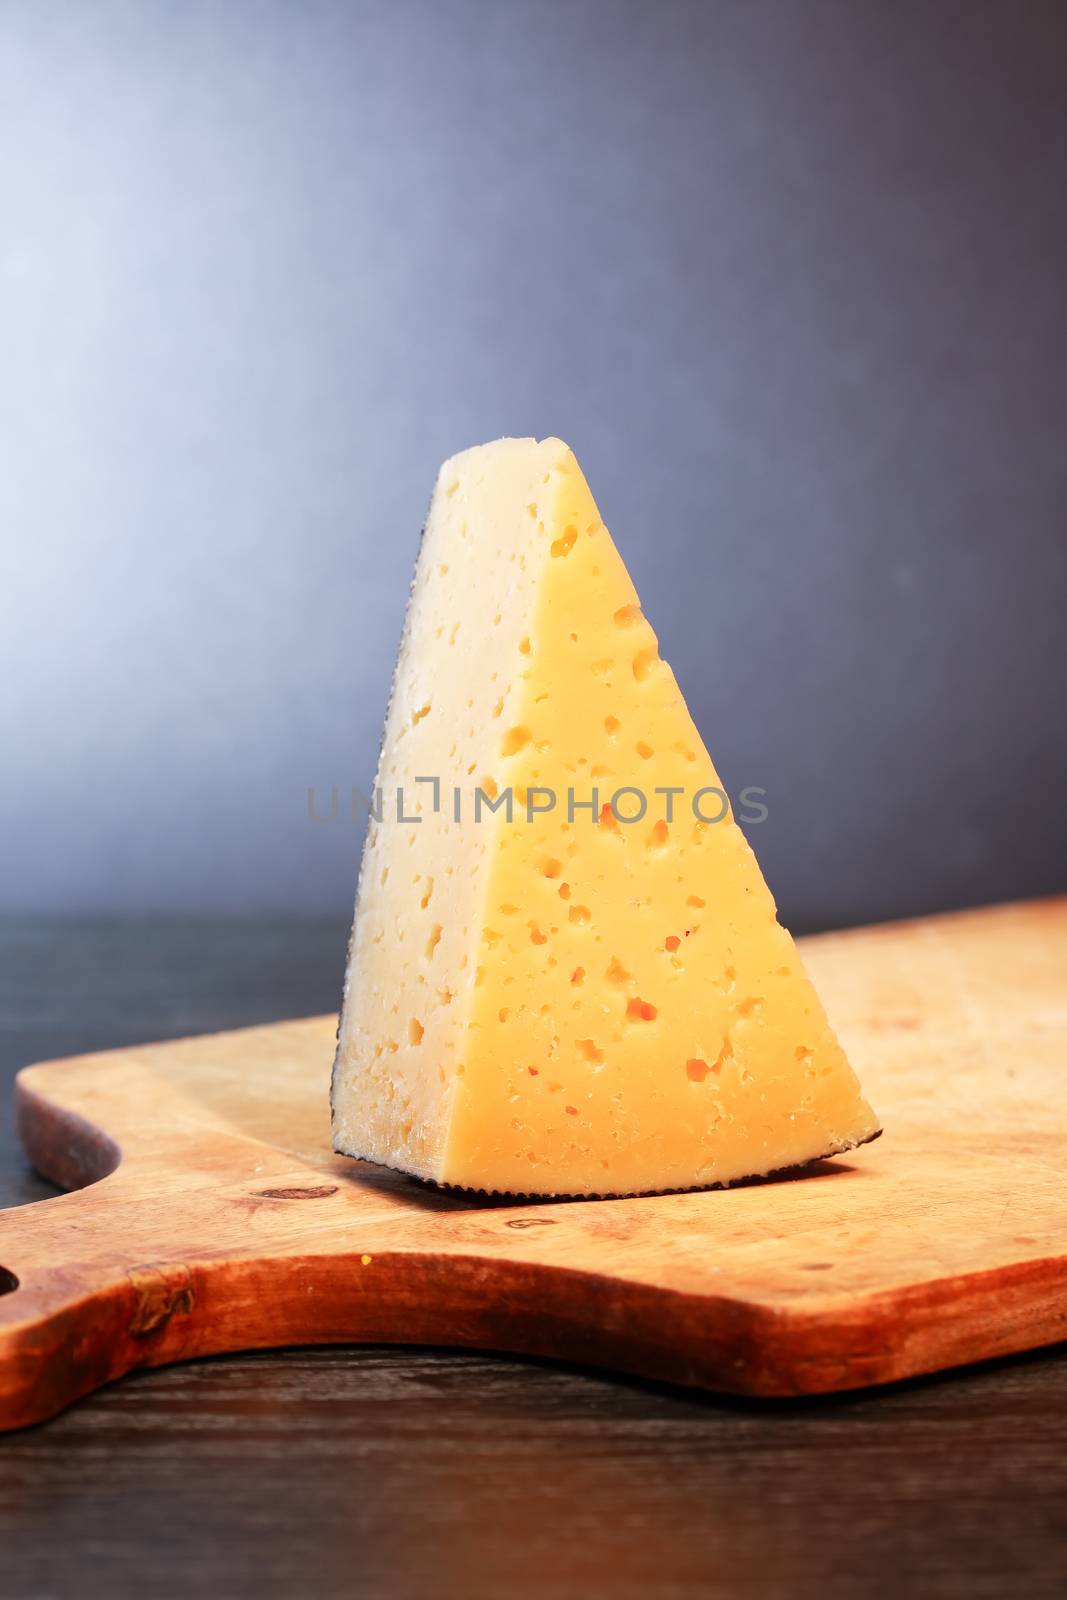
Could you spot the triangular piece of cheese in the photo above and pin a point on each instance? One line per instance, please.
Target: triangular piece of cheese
(570, 1002)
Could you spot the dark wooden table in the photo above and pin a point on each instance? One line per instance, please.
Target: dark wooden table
(314, 1473)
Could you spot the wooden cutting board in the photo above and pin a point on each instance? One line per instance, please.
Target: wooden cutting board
(224, 1222)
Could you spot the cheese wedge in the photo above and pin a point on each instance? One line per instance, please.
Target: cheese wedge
(594, 997)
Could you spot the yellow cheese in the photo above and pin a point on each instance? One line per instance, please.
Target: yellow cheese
(594, 997)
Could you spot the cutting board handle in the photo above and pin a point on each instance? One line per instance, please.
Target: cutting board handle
(78, 1285)
(74, 1293)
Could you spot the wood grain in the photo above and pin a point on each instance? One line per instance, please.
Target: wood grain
(226, 1223)
(419, 1474)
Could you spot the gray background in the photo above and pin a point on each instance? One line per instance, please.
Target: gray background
(789, 277)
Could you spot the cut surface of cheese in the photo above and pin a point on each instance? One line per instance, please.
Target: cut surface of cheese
(592, 996)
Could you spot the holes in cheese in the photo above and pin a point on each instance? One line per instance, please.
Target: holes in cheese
(662, 1033)
(616, 972)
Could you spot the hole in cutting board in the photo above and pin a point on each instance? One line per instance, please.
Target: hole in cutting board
(8, 1281)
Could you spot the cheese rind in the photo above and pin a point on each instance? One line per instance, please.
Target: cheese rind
(589, 998)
